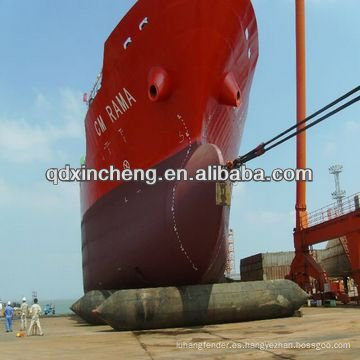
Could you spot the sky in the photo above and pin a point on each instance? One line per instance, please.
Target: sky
(50, 54)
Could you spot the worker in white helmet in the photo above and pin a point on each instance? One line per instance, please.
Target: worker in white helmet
(35, 311)
(9, 317)
(24, 314)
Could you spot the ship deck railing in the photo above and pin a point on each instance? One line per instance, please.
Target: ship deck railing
(95, 88)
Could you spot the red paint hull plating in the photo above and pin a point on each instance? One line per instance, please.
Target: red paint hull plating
(165, 102)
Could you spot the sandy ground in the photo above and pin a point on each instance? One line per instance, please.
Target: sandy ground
(66, 338)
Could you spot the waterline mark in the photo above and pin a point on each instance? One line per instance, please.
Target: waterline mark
(150, 177)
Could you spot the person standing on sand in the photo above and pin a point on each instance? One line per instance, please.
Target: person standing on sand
(35, 311)
(8, 317)
(24, 314)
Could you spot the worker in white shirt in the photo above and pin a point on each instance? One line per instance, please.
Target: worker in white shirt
(35, 311)
(24, 308)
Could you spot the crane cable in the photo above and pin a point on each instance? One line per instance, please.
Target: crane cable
(265, 146)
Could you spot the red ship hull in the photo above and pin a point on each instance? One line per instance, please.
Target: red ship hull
(175, 87)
